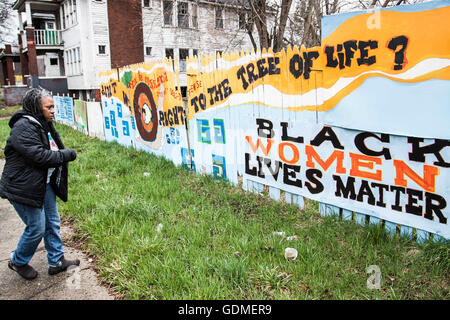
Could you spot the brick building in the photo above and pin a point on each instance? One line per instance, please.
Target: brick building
(10, 66)
(65, 43)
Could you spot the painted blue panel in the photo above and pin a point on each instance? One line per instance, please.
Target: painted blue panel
(219, 167)
(203, 131)
(126, 128)
(219, 131)
(68, 102)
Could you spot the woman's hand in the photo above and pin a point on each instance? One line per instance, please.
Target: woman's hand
(69, 154)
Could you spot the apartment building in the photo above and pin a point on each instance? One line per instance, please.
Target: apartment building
(65, 43)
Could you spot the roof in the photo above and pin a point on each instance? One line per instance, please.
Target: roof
(20, 4)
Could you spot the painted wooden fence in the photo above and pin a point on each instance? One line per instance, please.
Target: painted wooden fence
(359, 124)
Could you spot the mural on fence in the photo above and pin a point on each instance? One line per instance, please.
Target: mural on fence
(296, 121)
(143, 108)
(95, 120)
(80, 116)
(64, 110)
(359, 123)
(388, 70)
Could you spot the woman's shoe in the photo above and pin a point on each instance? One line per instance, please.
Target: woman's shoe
(63, 267)
(26, 271)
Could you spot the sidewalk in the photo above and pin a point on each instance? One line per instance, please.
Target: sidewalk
(77, 284)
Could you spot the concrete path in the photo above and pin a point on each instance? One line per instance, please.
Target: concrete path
(80, 283)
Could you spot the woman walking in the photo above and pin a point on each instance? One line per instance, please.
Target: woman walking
(35, 172)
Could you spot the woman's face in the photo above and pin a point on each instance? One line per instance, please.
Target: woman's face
(48, 108)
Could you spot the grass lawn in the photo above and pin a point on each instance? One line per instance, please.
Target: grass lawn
(217, 241)
(6, 111)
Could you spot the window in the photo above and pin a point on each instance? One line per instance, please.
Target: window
(167, 12)
(146, 3)
(53, 61)
(76, 65)
(183, 15)
(71, 68)
(80, 70)
(184, 53)
(194, 8)
(219, 17)
(69, 13)
(195, 52)
(66, 17)
(74, 10)
(101, 49)
(66, 61)
(73, 61)
(169, 53)
(63, 17)
(148, 51)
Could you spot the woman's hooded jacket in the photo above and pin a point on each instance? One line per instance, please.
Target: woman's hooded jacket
(28, 158)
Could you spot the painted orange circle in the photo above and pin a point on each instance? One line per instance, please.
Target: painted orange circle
(145, 112)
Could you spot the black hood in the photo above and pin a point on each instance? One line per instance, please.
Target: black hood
(21, 113)
(16, 116)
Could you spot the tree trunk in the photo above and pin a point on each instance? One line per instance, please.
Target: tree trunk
(285, 8)
(259, 13)
(307, 24)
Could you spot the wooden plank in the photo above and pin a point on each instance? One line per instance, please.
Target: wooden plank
(327, 210)
(288, 197)
(274, 193)
(439, 239)
(406, 232)
(245, 183)
(391, 228)
(298, 200)
(422, 236)
(259, 187)
(374, 221)
(322, 210)
(347, 214)
(360, 218)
